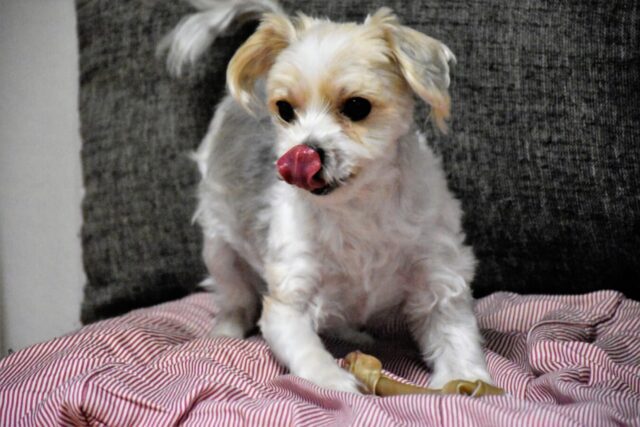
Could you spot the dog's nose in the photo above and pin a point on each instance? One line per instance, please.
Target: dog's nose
(300, 166)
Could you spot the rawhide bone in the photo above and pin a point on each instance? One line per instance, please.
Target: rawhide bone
(368, 370)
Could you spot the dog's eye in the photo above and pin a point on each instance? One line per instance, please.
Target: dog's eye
(285, 111)
(356, 108)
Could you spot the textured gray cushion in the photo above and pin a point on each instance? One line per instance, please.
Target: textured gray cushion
(138, 126)
(544, 149)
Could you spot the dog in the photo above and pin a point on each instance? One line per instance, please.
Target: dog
(320, 201)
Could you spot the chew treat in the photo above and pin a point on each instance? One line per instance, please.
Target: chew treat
(368, 371)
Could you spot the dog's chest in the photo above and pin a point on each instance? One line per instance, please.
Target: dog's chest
(364, 270)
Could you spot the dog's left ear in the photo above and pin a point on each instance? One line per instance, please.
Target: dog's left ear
(423, 61)
(257, 55)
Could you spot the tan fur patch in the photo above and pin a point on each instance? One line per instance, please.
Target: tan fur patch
(256, 56)
(418, 56)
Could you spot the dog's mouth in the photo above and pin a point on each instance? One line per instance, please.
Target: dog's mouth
(327, 189)
(303, 166)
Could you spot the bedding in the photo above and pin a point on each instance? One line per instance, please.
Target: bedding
(564, 360)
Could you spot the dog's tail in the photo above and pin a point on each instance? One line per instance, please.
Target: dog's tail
(196, 32)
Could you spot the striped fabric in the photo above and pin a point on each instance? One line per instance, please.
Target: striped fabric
(564, 360)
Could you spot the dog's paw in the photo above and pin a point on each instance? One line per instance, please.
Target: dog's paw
(228, 326)
(343, 381)
(334, 378)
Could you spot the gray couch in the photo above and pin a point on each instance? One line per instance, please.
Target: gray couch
(544, 150)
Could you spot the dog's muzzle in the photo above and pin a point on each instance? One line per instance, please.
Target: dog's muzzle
(302, 166)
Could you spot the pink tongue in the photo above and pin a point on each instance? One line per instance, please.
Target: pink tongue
(299, 167)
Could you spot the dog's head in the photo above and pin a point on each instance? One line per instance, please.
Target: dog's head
(341, 95)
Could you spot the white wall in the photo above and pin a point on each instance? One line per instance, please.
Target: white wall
(41, 273)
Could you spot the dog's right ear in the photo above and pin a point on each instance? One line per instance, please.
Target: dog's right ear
(257, 55)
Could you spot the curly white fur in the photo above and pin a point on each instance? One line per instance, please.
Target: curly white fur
(387, 239)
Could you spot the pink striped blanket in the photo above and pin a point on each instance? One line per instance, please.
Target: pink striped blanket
(564, 360)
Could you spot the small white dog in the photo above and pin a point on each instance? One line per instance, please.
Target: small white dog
(360, 224)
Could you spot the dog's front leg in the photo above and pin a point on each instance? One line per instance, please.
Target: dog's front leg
(441, 318)
(292, 272)
(290, 332)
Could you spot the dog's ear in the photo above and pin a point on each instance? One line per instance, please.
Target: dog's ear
(423, 61)
(257, 55)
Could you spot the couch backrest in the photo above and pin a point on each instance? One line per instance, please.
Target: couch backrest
(544, 150)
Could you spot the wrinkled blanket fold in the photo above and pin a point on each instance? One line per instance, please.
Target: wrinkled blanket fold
(564, 360)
